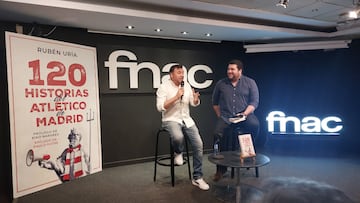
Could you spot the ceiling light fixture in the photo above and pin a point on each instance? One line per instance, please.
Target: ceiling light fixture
(184, 33)
(130, 27)
(152, 36)
(208, 34)
(283, 3)
(158, 30)
(326, 45)
(353, 14)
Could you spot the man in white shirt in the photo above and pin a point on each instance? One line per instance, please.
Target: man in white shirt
(173, 98)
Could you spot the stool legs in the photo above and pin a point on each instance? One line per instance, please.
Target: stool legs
(171, 157)
(172, 167)
(156, 153)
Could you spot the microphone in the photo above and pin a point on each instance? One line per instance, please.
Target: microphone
(182, 85)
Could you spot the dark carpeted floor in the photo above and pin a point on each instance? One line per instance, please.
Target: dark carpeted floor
(286, 179)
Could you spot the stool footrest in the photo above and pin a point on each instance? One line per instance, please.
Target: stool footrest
(160, 161)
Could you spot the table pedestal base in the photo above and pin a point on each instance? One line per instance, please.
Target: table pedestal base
(227, 193)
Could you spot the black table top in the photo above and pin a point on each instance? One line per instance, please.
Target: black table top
(232, 159)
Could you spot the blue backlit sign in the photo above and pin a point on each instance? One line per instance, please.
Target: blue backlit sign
(279, 123)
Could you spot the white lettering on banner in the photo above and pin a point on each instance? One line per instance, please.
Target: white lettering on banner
(308, 125)
(191, 76)
(134, 69)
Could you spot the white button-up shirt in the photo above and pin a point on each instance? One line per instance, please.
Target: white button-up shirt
(179, 111)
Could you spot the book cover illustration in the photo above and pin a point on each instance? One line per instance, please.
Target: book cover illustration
(246, 145)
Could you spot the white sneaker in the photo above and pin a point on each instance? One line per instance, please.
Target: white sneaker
(178, 159)
(201, 184)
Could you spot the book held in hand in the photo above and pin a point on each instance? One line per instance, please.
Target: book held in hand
(238, 118)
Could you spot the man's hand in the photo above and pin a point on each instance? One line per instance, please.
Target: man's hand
(180, 93)
(46, 164)
(196, 96)
(241, 114)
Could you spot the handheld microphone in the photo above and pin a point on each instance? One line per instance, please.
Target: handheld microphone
(182, 85)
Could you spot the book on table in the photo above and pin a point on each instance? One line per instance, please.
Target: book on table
(246, 146)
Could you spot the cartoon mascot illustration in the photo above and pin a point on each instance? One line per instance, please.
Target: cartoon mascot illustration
(73, 161)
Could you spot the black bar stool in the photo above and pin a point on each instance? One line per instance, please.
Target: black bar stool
(161, 159)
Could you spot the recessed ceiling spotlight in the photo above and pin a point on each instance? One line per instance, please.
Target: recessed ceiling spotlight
(158, 30)
(353, 14)
(184, 33)
(208, 34)
(130, 27)
(283, 3)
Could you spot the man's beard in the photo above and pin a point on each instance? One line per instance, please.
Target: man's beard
(231, 77)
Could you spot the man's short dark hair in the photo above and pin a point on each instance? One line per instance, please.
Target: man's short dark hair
(173, 67)
(238, 63)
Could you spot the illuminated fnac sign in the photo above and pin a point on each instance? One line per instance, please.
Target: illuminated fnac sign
(279, 123)
(134, 67)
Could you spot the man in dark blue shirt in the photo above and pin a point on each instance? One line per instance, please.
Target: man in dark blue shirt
(234, 96)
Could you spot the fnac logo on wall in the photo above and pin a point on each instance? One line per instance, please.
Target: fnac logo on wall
(113, 64)
(278, 123)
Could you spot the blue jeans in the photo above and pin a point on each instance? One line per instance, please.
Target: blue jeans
(177, 131)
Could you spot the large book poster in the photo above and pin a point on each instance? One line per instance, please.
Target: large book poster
(54, 112)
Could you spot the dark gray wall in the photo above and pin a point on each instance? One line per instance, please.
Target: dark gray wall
(5, 170)
(298, 82)
(310, 83)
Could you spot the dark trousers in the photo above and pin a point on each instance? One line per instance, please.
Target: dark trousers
(227, 134)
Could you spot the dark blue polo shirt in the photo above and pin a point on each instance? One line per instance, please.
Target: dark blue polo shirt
(233, 100)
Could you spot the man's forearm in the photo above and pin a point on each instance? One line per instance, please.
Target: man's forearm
(217, 110)
(168, 103)
(249, 109)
